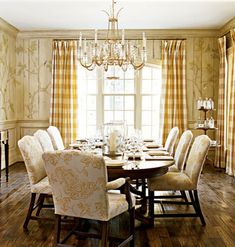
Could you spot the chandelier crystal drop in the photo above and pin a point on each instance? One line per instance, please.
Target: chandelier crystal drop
(114, 51)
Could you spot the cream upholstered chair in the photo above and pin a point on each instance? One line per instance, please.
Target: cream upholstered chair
(31, 151)
(170, 141)
(80, 189)
(181, 151)
(183, 181)
(56, 138)
(44, 139)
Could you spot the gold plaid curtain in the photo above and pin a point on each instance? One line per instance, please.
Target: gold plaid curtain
(63, 112)
(221, 137)
(230, 166)
(174, 86)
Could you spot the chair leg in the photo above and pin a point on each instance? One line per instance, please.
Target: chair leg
(199, 211)
(104, 234)
(41, 201)
(29, 214)
(57, 229)
(184, 195)
(151, 207)
(132, 226)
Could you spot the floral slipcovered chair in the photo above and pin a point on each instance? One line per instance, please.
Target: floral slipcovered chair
(44, 139)
(31, 151)
(56, 138)
(80, 189)
(183, 181)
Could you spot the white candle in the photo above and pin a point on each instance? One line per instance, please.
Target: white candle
(123, 36)
(95, 36)
(112, 141)
(84, 45)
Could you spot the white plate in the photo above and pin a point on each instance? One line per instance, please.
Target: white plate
(115, 162)
(153, 145)
(157, 153)
(148, 140)
(159, 158)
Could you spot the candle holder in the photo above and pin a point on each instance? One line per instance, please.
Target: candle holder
(114, 134)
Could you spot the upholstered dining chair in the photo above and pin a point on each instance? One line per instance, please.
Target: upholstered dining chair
(44, 139)
(31, 151)
(183, 181)
(170, 141)
(56, 138)
(181, 151)
(80, 189)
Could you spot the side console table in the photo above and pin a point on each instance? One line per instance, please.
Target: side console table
(4, 142)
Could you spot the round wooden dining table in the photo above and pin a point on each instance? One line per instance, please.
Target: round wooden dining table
(140, 169)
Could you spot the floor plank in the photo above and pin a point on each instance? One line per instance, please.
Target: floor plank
(217, 196)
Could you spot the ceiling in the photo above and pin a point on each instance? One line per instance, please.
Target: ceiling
(137, 14)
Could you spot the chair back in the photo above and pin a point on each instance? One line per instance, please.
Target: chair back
(44, 139)
(171, 140)
(78, 182)
(182, 149)
(196, 158)
(31, 151)
(56, 138)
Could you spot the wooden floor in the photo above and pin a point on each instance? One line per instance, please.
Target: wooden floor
(216, 191)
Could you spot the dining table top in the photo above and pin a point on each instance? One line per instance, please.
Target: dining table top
(140, 169)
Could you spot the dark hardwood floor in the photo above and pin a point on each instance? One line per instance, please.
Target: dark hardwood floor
(216, 191)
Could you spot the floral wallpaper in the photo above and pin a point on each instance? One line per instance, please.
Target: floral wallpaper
(7, 77)
(33, 72)
(202, 73)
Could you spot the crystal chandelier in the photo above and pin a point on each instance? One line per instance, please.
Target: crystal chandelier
(114, 51)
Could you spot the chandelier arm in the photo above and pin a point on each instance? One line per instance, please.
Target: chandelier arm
(87, 66)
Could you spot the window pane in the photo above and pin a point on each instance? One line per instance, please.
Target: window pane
(91, 89)
(118, 115)
(129, 74)
(108, 102)
(108, 86)
(129, 86)
(146, 132)
(146, 118)
(129, 117)
(119, 86)
(91, 117)
(129, 103)
(91, 102)
(146, 103)
(91, 131)
(118, 102)
(146, 73)
(146, 86)
(108, 116)
(157, 73)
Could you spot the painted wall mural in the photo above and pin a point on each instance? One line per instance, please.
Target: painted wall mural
(202, 72)
(7, 77)
(33, 72)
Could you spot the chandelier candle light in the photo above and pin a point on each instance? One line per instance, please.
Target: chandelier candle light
(113, 51)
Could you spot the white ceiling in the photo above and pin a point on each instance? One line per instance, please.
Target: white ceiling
(137, 14)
